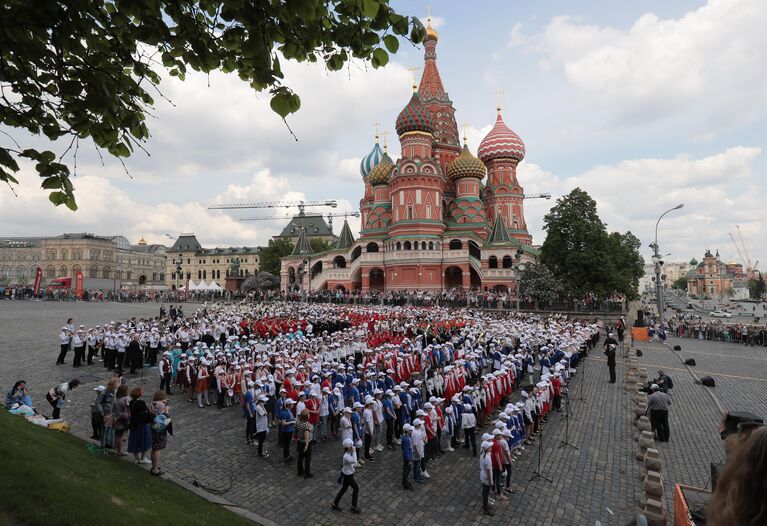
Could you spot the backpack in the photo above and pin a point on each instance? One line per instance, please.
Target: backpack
(160, 423)
(669, 382)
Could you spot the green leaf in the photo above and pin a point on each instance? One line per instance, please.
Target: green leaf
(380, 57)
(7, 160)
(57, 198)
(285, 102)
(47, 157)
(370, 8)
(392, 43)
(49, 183)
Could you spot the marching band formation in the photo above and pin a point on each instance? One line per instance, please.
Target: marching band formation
(420, 379)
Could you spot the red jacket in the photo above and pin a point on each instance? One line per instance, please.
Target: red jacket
(496, 455)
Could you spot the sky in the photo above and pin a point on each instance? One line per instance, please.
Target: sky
(643, 104)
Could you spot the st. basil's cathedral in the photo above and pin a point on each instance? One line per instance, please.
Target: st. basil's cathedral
(436, 218)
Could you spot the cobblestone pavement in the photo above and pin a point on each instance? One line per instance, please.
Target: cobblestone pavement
(598, 481)
(740, 373)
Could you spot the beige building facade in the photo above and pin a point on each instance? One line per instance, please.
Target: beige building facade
(102, 257)
(200, 264)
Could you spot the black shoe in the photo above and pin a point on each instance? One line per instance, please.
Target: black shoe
(335, 507)
(355, 510)
(308, 475)
(408, 486)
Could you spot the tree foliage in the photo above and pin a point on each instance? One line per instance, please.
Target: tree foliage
(319, 245)
(260, 281)
(539, 283)
(78, 70)
(680, 283)
(583, 256)
(756, 287)
(270, 255)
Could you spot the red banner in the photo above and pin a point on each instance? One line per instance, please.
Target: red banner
(186, 291)
(79, 284)
(38, 280)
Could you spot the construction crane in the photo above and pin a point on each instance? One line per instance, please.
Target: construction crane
(538, 196)
(740, 246)
(329, 216)
(301, 205)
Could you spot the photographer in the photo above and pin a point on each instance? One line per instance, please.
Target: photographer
(610, 345)
(658, 404)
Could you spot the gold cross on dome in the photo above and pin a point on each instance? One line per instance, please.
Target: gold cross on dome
(498, 95)
(386, 146)
(465, 133)
(413, 70)
(376, 126)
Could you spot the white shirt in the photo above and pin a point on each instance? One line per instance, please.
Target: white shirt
(350, 462)
(367, 419)
(485, 465)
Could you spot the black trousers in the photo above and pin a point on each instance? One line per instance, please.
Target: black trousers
(109, 358)
(389, 432)
(261, 437)
(405, 472)
(79, 356)
(119, 360)
(285, 437)
(470, 435)
(368, 441)
(304, 459)
(250, 428)
(659, 423)
(55, 405)
(612, 373)
(91, 353)
(62, 353)
(348, 482)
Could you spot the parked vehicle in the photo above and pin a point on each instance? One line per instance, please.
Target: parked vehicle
(720, 314)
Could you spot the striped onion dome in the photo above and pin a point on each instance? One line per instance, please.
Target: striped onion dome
(381, 172)
(501, 143)
(414, 117)
(371, 159)
(466, 165)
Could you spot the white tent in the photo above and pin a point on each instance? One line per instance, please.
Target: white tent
(202, 285)
(214, 286)
(192, 285)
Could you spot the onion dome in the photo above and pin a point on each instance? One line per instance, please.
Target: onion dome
(466, 165)
(414, 117)
(501, 143)
(431, 33)
(381, 172)
(371, 159)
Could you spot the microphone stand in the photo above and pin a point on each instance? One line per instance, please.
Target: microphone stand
(565, 442)
(537, 472)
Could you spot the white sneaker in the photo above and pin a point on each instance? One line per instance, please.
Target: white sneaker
(379, 448)
(450, 449)
(144, 461)
(397, 441)
(425, 475)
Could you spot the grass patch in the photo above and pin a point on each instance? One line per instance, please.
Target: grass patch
(51, 478)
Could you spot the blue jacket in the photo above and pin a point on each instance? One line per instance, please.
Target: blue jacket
(407, 450)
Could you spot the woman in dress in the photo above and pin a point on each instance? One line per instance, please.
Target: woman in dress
(159, 406)
(120, 418)
(105, 409)
(140, 438)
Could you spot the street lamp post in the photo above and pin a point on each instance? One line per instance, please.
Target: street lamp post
(658, 262)
(519, 268)
(177, 262)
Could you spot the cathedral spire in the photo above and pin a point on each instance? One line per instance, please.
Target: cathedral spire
(345, 239)
(303, 247)
(431, 83)
(499, 235)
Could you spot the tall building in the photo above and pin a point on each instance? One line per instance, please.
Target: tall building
(206, 264)
(438, 216)
(103, 257)
(712, 278)
(314, 224)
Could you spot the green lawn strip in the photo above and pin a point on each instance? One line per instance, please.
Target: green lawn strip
(50, 478)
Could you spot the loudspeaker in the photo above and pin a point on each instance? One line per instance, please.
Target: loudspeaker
(639, 353)
(708, 381)
(690, 361)
(677, 347)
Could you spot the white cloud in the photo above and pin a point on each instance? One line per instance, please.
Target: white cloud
(706, 66)
(718, 192)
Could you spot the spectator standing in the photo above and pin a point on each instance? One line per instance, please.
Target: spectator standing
(140, 437)
(121, 418)
(158, 410)
(304, 437)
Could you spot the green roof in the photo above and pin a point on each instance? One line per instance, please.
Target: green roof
(303, 247)
(346, 239)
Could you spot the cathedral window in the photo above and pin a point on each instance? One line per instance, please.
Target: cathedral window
(410, 212)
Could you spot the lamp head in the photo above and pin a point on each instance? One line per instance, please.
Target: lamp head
(677, 207)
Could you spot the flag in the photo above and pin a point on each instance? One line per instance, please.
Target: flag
(38, 280)
(79, 284)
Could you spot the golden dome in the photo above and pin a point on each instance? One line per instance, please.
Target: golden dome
(466, 165)
(431, 33)
(142, 241)
(381, 172)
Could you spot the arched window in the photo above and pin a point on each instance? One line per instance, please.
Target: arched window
(50, 271)
(63, 271)
(93, 271)
(431, 245)
(455, 244)
(492, 262)
(356, 252)
(423, 245)
(106, 272)
(407, 245)
(21, 273)
(399, 245)
(372, 247)
(339, 262)
(506, 261)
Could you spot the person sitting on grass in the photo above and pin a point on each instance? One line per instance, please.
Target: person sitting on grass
(18, 394)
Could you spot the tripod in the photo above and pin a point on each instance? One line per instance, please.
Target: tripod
(537, 472)
(583, 372)
(565, 442)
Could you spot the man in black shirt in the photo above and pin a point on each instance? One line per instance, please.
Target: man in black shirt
(610, 345)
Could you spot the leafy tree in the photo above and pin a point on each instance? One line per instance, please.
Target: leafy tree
(270, 255)
(756, 287)
(583, 256)
(77, 70)
(680, 283)
(261, 281)
(539, 283)
(319, 245)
